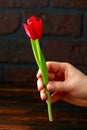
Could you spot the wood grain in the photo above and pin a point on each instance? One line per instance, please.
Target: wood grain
(22, 109)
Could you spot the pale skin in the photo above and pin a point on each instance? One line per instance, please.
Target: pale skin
(66, 83)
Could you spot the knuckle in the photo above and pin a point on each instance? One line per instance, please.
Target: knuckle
(61, 86)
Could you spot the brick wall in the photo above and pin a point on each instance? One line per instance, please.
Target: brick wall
(64, 38)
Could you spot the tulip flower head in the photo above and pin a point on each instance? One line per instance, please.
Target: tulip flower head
(34, 28)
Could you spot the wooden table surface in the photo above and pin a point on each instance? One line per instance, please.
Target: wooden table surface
(22, 109)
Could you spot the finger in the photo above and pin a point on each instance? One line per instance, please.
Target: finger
(40, 84)
(51, 66)
(39, 75)
(51, 76)
(43, 94)
(56, 96)
(55, 66)
(55, 86)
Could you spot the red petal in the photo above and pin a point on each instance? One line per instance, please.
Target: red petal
(40, 28)
(29, 31)
(34, 27)
(32, 19)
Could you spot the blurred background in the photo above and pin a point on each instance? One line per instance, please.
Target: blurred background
(64, 38)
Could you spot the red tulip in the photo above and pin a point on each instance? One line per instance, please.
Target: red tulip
(34, 28)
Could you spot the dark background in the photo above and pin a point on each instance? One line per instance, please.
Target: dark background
(64, 39)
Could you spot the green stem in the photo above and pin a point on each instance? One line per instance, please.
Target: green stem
(49, 106)
(42, 65)
(45, 80)
(38, 49)
(33, 44)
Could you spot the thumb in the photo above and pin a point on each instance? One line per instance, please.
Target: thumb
(56, 86)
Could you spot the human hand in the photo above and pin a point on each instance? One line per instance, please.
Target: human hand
(65, 83)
